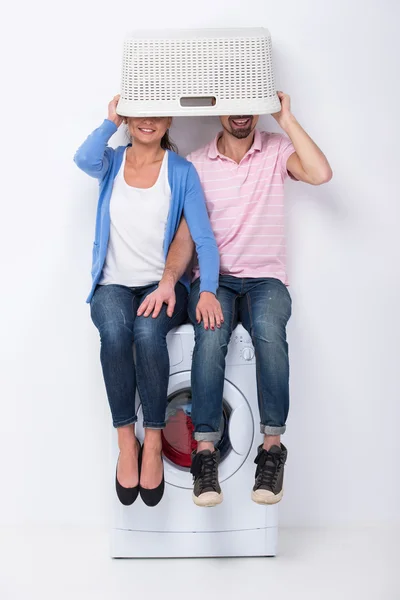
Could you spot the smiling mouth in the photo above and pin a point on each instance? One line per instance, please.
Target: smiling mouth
(241, 122)
(146, 130)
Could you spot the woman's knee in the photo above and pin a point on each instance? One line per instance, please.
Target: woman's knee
(149, 331)
(116, 335)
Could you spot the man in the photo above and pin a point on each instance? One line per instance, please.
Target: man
(242, 172)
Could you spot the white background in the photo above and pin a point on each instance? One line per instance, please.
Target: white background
(339, 61)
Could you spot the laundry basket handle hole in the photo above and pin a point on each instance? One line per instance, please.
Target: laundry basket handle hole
(196, 101)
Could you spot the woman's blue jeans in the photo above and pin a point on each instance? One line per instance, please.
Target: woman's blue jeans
(113, 311)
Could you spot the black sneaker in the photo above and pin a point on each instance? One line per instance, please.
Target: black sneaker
(269, 475)
(206, 491)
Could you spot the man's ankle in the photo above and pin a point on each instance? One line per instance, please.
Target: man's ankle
(271, 440)
(203, 445)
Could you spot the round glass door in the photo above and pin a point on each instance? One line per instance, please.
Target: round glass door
(177, 437)
(237, 429)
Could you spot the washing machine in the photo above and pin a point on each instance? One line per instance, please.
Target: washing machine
(177, 527)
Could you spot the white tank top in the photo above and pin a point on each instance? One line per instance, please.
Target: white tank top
(138, 218)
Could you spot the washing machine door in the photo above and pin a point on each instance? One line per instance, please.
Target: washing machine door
(237, 431)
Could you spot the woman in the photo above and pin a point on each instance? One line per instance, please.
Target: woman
(141, 251)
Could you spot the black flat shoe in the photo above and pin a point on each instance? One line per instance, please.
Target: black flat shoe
(153, 497)
(127, 496)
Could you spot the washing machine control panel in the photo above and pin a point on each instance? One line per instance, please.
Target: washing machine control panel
(241, 349)
(248, 353)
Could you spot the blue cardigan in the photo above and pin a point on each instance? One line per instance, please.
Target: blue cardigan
(98, 160)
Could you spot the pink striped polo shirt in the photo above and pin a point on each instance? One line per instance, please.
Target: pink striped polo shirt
(245, 203)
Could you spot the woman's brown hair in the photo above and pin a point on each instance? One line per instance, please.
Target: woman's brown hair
(167, 143)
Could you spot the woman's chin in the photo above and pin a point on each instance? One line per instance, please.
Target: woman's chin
(148, 140)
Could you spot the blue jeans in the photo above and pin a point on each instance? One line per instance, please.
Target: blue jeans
(264, 308)
(113, 311)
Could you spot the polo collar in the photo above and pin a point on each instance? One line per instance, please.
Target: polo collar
(256, 146)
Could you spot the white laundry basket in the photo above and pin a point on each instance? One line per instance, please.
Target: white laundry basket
(198, 72)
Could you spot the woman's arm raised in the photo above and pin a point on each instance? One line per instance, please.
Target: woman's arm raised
(93, 157)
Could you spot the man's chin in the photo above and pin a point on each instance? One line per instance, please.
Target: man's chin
(241, 134)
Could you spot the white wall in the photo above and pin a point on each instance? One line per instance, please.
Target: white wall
(339, 62)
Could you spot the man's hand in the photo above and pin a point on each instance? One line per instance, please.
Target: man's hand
(209, 311)
(164, 294)
(284, 116)
(308, 163)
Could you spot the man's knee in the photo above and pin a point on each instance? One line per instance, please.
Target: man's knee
(271, 331)
(211, 342)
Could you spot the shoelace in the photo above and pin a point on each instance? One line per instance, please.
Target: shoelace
(205, 466)
(267, 468)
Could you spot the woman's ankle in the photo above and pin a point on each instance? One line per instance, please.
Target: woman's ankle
(152, 440)
(127, 439)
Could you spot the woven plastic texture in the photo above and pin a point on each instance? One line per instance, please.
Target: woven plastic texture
(198, 72)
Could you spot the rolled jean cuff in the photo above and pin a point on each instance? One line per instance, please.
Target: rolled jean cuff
(268, 430)
(207, 436)
(129, 421)
(153, 425)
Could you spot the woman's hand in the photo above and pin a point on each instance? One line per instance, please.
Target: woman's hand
(112, 111)
(209, 311)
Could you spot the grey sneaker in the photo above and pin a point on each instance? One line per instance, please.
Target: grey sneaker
(206, 490)
(268, 488)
